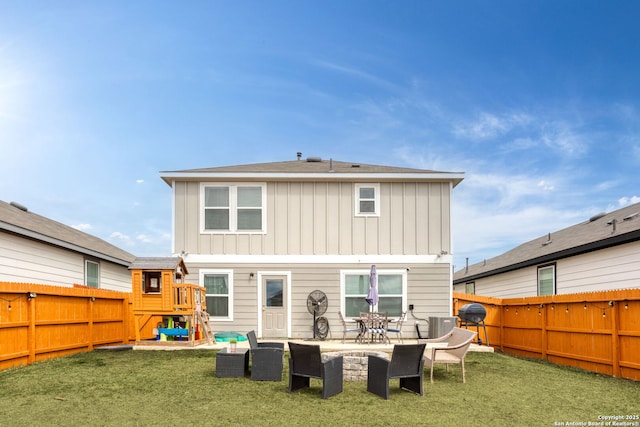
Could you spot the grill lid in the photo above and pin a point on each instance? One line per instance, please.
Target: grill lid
(473, 313)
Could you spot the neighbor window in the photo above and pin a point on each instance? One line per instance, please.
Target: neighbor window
(392, 291)
(92, 274)
(218, 286)
(367, 199)
(547, 280)
(233, 208)
(470, 287)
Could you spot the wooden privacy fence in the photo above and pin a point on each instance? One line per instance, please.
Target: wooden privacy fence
(39, 322)
(596, 331)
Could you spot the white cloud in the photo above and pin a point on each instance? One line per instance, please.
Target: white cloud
(144, 238)
(488, 125)
(82, 227)
(485, 126)
(139, 181)
(560, 136)
(117, 235)
(625, 201)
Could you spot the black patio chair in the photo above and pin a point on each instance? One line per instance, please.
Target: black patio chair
(305, 362)
(406, 364)
(266, 359)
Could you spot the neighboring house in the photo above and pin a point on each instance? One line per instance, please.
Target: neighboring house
(602, 253)
(35, 249)
(262, 237)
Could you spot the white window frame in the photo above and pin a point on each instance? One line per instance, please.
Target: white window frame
(383, 272)
(470, 286)
(233, 207)
(86, 273)
(376, 199)
(553, 271)
(229, 274)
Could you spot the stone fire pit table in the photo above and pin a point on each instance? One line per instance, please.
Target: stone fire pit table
(355, 362)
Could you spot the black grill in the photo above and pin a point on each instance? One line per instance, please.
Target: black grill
(472, 313)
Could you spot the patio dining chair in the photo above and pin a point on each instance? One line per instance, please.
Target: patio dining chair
(376, 327)
(457, 345)
(266, 359)
(305, 362)
(398, 327)
(406, 364)
(345, 328)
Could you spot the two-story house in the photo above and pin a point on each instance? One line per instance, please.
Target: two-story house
(262, 237)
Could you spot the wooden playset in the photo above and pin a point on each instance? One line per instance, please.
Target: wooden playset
(168, 311)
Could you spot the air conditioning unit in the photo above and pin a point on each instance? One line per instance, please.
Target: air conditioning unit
(439, 326)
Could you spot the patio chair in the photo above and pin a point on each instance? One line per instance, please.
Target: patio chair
(457, 341)
(398, 329)
(305, 363)
(375, 326)
(406, 364)
(345, 328)
(266, 359)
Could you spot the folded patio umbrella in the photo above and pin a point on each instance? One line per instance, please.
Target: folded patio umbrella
(372, 296)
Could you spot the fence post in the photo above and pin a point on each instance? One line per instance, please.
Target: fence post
(31, 329)
(615, 338)
(543, 330)
(90, 322)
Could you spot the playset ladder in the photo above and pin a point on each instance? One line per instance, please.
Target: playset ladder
(202, 318)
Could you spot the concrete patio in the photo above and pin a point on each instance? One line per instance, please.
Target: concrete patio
(325, 346)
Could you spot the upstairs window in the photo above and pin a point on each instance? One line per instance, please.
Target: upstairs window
(547, 280)
(367, 199)
(233, 208)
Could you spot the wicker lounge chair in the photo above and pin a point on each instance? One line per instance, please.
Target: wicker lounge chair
(305, 363)
(406, 364)
(457, 341)
(266, 359)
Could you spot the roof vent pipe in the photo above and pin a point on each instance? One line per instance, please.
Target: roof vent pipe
(19, 206)
(466, 268)
(613, 223)
(330, 165)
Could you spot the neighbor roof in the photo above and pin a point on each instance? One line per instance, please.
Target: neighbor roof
(15, 219)
(598, 232)
(311, 168)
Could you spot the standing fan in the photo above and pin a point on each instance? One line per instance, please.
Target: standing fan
(317, 304)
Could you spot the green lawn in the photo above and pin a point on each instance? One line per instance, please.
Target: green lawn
(168, 388)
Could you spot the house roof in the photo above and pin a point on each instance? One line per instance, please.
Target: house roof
(16, 219)
(159, 263)
(598, 232)
(311, 169)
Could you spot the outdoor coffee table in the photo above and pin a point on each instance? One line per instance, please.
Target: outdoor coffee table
(232, 364)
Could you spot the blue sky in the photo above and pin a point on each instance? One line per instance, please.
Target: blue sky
(538, 102)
